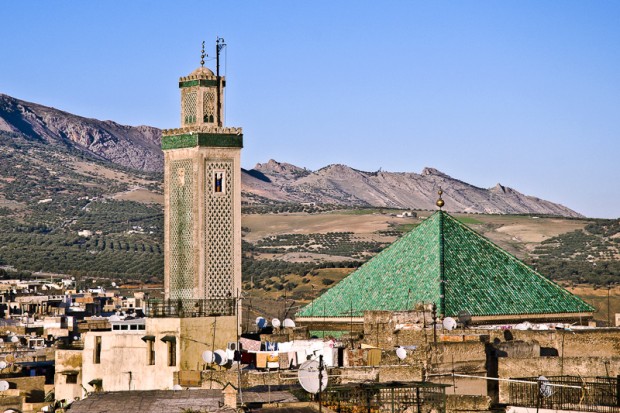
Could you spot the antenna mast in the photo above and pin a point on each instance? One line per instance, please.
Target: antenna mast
(219, 45)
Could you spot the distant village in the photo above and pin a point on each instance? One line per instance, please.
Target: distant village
(441, 321)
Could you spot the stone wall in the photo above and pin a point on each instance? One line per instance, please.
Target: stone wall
(387, 329)
(464, 403)
(380, 331)
(554, 366)
(11, 400)
(602, 342)
(68, 361)
(33, 388)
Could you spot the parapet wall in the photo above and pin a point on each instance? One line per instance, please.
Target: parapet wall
(554, 366)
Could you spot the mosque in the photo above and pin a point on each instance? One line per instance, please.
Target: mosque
(441, 261)
(445, 263)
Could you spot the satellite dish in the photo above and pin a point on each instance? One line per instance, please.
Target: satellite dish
(2, 365)
(464, 317)
(401, 353)
(4, 385)
(220, 358)
(308, 376)
(1, 340)
(449, 323)
(207, 356)
(523, 326)
(288, 323)
(44, 288)
(275, 322)
(261, 322)
(113, 284)
(546, 390)
(75, 338)
(177, 387)
(14, 339)
(114, 317)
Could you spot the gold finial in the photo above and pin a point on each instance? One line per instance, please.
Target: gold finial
(202, 55)
(439, 202)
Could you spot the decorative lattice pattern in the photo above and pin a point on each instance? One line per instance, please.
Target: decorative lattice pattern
(181, 190)
(219, 240)
(208, 106)
(189, 107)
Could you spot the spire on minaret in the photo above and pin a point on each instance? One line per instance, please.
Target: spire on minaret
(440, 202)
(202, 55)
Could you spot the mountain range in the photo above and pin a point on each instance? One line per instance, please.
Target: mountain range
(138, 148)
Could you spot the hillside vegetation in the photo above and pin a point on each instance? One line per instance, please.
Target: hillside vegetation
(590, 255)
(48, 195)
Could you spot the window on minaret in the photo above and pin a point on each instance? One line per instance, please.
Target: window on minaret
(189, 107)
(218, 182)
(208, 106)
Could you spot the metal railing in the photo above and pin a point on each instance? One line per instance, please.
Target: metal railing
(588, 394)
(414, 397)
(187, 308)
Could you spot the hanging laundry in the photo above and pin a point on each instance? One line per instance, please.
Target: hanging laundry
(271, 346)
(284, 361)
(261, 360)
(249, 345)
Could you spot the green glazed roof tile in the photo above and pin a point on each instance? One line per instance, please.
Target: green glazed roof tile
(479, 277)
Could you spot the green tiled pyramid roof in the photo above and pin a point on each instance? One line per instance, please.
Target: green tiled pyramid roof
(479, 277)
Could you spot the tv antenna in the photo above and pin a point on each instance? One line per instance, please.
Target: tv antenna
(449, 323)
(207, 356)
(219, 45)
(261, 322)
(312, 376)
(220, 358)
(545, 388)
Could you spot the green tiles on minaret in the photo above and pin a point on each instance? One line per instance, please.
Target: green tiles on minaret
(480, 278)
(202, 196)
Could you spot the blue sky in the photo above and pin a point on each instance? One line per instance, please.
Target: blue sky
(525, 93)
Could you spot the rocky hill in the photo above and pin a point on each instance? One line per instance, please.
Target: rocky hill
(342, 185)
(138, 148)
(129, 146)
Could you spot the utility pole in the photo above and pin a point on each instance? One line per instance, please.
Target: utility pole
(434, 323)
(608, 308)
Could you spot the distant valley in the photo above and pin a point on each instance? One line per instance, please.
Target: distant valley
(83, 197)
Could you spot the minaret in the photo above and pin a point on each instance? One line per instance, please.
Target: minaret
(202, 191)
